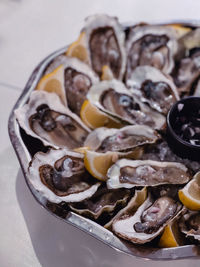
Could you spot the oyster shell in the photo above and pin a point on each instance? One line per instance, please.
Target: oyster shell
(114, 98)
(120, 140)
(133, 204)
(190, 225)
(130, 173)
(60, 176)
(148, 221)
(44, 117)
(151, 45)
(187, 73)
(104, 201)
(105, 43)
(78, 77)
(153, 87)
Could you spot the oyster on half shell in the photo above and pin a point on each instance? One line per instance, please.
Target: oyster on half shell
(151, 45)
(187, 72)
(76, 77)
(60, 176)
(153, 87)
(44, 117)
(105, 43)
(148, 221)
(104, 201)
(113, 98)
(120, 140)
(127, 173)
(136, 200)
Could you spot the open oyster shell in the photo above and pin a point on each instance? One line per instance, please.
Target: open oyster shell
(151, 45)
(190, 225)
(148, 221)
(130, 173)
(187, 72)
(133, 204)
(60, 176)
(105, 43)
(103, 201)
(120, 140)
(44, 117)
(153, 87)
(114, 98)
(77, 77)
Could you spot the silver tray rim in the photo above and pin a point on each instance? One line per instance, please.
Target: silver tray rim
(84, 224)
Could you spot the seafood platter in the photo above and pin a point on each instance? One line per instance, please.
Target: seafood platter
(92, 134)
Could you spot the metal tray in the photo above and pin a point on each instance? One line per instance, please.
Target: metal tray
(19, 141)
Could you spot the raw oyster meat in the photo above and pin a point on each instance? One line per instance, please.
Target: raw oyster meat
(151, 45)
(60, 176)
(115, 99)
(124, 139)
(103, 201)
(153, 87)
(44, 117)
(130, 173)
(105, 43)
(148, 221)
(77, 79)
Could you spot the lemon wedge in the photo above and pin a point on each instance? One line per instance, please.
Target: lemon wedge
(106, 73)
(171, 236)
(95, 118)
(53, 82)
(180, 30)
(78, 49)
(190, 194)
(97, 164)
(81, 149)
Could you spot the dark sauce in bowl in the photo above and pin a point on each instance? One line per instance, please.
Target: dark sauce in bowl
(183, 128)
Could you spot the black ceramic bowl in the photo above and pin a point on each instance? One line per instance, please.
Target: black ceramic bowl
(181, 116)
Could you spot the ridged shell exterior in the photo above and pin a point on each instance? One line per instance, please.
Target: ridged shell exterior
(109, 208)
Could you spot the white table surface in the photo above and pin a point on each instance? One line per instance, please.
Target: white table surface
(29, 31)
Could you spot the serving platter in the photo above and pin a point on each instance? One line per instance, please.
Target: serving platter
(25, 147)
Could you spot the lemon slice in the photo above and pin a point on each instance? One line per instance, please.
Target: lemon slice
(171, 236)
(53, 82)
(98, 164)
(78, 49)
(190, 194)
(106, 73)
(81, 149)
(180, 30)
(95, 118)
